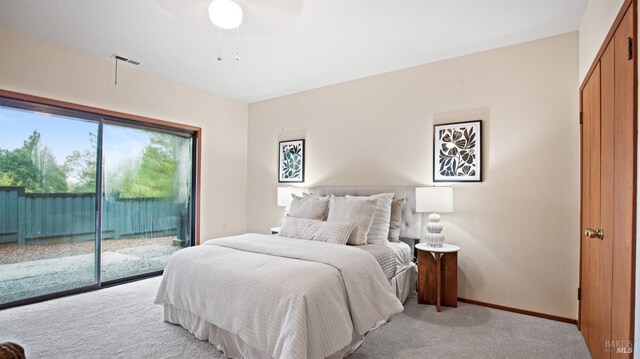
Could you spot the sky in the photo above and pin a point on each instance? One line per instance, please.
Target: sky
(63, 135)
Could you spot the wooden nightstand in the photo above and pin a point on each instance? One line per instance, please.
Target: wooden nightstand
(438, 275)
(275, 230)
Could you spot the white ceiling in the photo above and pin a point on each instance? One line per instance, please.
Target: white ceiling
(287, 46)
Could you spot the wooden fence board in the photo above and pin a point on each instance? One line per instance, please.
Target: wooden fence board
(60, 216)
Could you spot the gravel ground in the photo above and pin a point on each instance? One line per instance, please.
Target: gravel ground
(39, 276)
(13, 253)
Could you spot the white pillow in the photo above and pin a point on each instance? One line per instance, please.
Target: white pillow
(308, 207)
(316, 230)
(379, 231)
(357, 210)
(325, 198)
(397, 206)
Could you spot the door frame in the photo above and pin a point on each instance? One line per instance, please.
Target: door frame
(102, 116)
(131, 119)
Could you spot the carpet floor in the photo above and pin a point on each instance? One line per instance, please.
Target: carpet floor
(122, 322)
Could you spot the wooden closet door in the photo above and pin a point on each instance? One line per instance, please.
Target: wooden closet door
(597, 189)
(625, 170)
(587, 101)
(608, 190)
(603, 248)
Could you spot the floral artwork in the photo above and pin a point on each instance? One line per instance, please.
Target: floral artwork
(457, 152)
(291, 163)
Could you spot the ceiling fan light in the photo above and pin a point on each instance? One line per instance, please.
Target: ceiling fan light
(225, 14)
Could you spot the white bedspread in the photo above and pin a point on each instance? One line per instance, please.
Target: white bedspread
(290, 298)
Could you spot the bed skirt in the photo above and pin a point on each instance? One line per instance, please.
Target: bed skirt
(231, 344)
(404, 284)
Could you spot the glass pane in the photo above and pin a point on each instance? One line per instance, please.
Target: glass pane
(147, 200)
(47, 203)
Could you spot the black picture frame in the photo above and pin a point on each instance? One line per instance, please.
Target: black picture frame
(282, 148)
(464, 156)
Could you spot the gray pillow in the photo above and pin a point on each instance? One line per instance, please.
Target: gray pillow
(316, 230)
(396, 219)
(309, 207)
(357, 210)
(325, 198)
(379, 230)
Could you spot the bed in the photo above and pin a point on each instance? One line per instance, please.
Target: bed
(263, 296)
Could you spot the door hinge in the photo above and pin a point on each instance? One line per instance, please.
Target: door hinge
(581, 117)
(630, 48)
(579, 293)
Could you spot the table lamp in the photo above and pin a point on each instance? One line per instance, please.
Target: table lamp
(434, 200)
(284, 195)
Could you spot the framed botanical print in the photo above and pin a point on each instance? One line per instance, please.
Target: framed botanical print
(291, 161)
(457, 152)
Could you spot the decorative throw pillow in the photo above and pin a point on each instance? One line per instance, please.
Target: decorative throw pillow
(357, 210)
(379, 230)
(309, 207)
(316, 230)
(397, 205)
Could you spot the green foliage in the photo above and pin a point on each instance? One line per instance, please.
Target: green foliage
(6, 180)
(52, 177)
(80, 167)
(17, 165)
(153, 175)
(156, 174)
(33, 167)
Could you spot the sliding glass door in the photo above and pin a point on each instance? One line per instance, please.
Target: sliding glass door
(146, 207)
(47, 203)
(87, 199)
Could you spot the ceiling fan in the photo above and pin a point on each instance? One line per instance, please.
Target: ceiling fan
(260, 17)
(254, 18)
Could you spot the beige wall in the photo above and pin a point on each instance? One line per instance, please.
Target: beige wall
(518, 229)
(596, 22)
(34, 67)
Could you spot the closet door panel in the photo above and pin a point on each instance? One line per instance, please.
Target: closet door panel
(604, 247)
(590, 261)
(625, 169)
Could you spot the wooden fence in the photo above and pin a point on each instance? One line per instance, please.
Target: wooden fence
(27, 217)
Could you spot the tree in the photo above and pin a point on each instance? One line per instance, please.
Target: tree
(51, 176)
(18, 166)
(156, 174)
(80, 167)
(6, 180)
(32, 166)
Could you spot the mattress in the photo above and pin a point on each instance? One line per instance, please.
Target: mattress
(393, 257)
(403, 254)
(285, 298)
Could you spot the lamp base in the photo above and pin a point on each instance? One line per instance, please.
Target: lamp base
(434, 237)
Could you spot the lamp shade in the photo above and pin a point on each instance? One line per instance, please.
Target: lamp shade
(434, 199)
(284, 195)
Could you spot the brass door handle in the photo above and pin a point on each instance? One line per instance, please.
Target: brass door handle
(594, 233)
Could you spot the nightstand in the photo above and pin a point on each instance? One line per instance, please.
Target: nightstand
(438, 275)
(275, 230)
